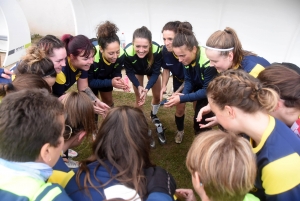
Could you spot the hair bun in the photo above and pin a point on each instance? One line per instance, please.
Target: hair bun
(184, 28)
(34, 54)
(107, 30)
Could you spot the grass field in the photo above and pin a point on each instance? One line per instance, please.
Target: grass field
(170, 156)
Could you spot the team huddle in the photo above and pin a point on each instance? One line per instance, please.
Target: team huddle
(246, 120)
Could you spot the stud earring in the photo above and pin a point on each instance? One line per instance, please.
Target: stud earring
(201, 184)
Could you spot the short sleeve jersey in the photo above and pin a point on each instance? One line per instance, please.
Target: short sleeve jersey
(66, 78)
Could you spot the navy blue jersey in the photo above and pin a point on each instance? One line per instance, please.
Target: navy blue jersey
(66, 78)
(197, 76)
(112, 189)
(135, 65)
(253, 64)
(61, 173)
(101, 71)
(278, 162)
(170, 61)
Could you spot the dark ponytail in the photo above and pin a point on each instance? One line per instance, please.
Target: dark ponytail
(185, 36)
(75, 45)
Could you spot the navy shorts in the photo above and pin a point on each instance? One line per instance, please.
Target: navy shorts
(104, 89)
(176, 84)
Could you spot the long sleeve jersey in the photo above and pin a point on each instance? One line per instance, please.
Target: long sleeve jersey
(135, 65)
(197, 76)
(101, 71)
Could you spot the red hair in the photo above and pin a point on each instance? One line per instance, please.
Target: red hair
(75, 45)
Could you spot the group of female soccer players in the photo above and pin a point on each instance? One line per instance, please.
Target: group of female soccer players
(256, 105)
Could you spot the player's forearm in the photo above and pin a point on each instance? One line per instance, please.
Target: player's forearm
(180, 88)
(90, 93)
(165, 77)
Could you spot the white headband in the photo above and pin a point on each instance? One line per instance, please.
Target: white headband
(218, 49)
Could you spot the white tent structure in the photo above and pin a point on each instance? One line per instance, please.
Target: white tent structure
(270, 28)
(14, 31)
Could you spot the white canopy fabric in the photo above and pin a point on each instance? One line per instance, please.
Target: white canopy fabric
(14, 34)
(270, 28)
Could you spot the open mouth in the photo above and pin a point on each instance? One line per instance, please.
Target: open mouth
(86, 67)
(141, 54)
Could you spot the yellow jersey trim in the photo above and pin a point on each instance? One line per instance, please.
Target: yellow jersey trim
(265, 135)
(280, 176)
(61, 178)
(175, 55)
(105, 61)
(71, 66)
(256, 70)
(193, 64)
(60, 78)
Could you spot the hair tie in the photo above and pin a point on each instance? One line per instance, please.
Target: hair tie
(52, 72)
(258, 89)
(227, 31)
(10, 86)
(185, 38)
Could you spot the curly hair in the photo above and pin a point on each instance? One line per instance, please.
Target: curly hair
(36, 62)
(106, 34)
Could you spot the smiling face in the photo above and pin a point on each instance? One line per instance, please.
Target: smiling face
(168, 37)
(185, 56)
(81, 62)
(111, 52)
(220, 62)
(141, 46)
(58, 58)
